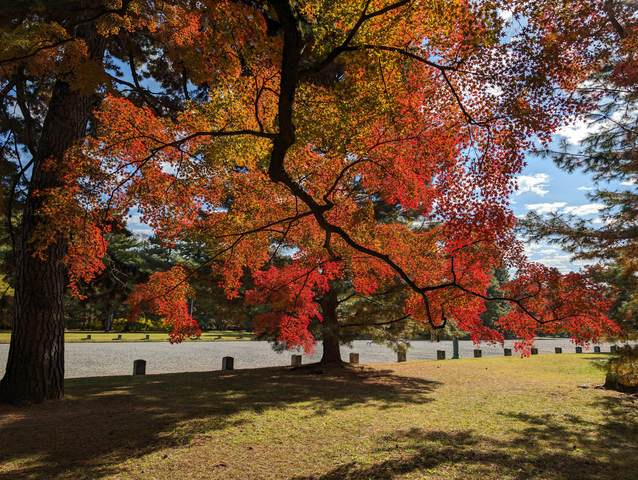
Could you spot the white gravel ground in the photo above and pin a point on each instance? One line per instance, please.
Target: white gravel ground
(100, 359)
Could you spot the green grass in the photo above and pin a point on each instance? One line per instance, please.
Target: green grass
(491, 418)
(100, 336)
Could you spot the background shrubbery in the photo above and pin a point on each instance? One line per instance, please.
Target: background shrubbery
(142, 324)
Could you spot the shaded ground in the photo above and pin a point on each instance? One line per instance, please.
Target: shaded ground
(491, 418)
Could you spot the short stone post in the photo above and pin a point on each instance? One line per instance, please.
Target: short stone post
(401, 356)
(440, 355)
(613, 349)
(139, 367)
(478, 353)
(295, 361)
(507, 352)
(534, 351)
(88, 336)
(119, 337)
(455, 348)
(228, 363)
(147, 337)
(597, 349)
(579, 349)
(354, 358)
(558, 350)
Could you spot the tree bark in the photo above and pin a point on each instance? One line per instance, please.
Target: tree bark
(330, 330)
(35, 366)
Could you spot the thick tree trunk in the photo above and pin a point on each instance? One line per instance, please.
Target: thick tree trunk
(330, 330)
(35, 367)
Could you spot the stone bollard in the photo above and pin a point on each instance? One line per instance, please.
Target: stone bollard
(440, 355)
(455, 348)
(119, 337)
(147, 337)
(558, 350)
(401, 356)
(228, 363)
(88, 337)
(139, 367)
(613, 349)
(295, 361)
(534, 351)
(579, 349)
(477, 353)
(597, 349)
(354, 358)
(507, 352)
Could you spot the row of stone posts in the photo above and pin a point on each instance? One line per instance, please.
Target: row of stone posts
(228, 363)
(440, 354)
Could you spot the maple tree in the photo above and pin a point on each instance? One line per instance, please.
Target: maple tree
(291, 126)
(317, 126)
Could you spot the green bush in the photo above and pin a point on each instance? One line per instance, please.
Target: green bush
(142, 324)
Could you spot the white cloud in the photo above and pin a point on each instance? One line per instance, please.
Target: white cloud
(562, 261)
(552, 256)
(585, 188)
(584, 210)
(562, 207)
(494, 90)
(137, 227)
(542, 208)
(578, 131)
(630, 183)
(506, 15)
(536, 183)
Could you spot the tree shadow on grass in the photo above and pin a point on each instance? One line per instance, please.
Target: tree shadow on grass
(545, 447)
(105, 421)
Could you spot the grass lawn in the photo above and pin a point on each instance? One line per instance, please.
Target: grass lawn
(100, 336)
(490, 418)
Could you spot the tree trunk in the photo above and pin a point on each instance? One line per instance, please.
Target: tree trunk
(330, 330)
(35, 367)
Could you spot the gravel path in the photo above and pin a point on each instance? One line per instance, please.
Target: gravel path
(100, 359)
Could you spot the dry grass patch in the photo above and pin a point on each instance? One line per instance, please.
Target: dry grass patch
(491, 418)
(108, 337)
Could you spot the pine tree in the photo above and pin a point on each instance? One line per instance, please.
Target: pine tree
(609, 154)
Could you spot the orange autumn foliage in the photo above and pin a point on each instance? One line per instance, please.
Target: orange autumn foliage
(378, 138)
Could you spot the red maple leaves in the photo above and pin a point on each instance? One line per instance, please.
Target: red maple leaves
(290, 295)
(166, 295)
(375, 146)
